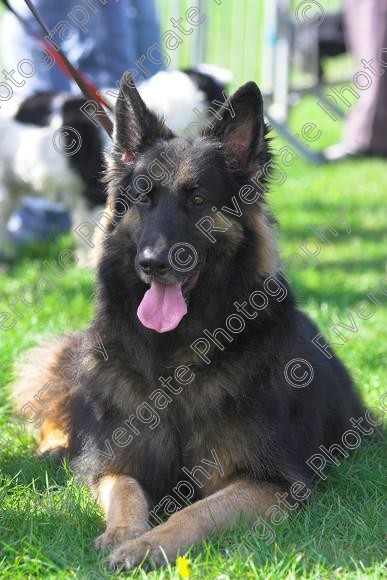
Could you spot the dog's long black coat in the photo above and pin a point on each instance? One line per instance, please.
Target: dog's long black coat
(240, 404)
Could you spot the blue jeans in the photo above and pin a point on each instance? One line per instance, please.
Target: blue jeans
(118, 33)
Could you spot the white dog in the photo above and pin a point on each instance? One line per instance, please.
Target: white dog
(49, 148)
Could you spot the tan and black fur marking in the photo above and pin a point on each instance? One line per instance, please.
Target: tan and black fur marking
(39, 382)
(237, 403)
(240, 501)
(125, 507)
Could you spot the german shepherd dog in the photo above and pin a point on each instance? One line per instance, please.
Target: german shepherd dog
(231, 411)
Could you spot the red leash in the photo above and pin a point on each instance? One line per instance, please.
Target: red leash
(88, 88)
(63, 66)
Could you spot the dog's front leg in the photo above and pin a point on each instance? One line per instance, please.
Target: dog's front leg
(125, 507)
(197, 521)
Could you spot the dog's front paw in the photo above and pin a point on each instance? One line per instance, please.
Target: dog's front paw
(133, 552)
(118, 534)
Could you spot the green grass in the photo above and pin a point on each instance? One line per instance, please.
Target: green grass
(340, 534)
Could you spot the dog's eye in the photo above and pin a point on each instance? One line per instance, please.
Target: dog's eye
(143, 198)
(198, 199)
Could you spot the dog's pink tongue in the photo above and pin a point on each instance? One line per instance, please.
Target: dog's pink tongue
(162, 307)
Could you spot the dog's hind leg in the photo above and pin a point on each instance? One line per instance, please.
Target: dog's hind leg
(43, 393)
(125, 507)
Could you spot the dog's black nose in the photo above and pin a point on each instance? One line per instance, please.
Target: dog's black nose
(152, 262)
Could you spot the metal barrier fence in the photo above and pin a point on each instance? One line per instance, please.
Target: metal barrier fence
(230, 36)
(274, 42)
(243, 35)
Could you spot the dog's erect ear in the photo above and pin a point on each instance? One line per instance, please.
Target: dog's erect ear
(135, 125)
(242, 127)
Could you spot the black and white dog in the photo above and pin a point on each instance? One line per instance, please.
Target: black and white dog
(37, 158)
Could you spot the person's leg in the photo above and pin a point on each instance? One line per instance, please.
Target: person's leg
(117, 36)
(378, 143)
(366, 23)
(147, 28)
(17, 46)
(109, 48)
(122, 33)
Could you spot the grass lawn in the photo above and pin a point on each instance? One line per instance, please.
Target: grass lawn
(48, 522)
